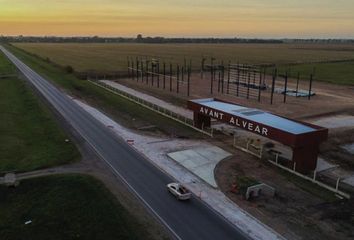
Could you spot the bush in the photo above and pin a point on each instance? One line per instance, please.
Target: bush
(69, 69)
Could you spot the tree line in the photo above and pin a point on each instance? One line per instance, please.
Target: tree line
(141, 39)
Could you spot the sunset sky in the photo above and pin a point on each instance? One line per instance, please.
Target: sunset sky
(179, 18)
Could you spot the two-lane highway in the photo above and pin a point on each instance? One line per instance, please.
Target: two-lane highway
(185, 220)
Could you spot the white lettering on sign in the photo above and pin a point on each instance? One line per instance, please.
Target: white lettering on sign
(235, 121)
(257, 129)
(211, 113)
(249, 126)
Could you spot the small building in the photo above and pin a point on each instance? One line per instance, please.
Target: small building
(303, 138)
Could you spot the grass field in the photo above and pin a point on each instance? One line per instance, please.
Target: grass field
(339, 73)
(30, 138)
(125, 112)
(113, 57)
(65, 207)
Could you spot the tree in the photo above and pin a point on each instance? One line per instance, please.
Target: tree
(139, 38)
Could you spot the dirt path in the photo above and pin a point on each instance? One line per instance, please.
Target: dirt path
(173, 108)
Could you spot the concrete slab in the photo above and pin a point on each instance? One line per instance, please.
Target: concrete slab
(212, 153)
(337, 121)
(323, 165)
(201, 161)
(339, 173)
(349, 148)
(349, 180)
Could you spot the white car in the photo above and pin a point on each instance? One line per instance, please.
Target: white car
(179, 191)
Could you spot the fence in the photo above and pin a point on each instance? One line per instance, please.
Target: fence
(312, 179)
(155, 73)
(153, 107)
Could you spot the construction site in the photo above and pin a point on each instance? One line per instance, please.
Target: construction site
(283, 144)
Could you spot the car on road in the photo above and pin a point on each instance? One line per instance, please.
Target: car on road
(179, 191)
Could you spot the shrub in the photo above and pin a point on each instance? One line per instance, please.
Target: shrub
(69, 69)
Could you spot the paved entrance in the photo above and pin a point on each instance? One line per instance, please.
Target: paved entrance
(201, 161)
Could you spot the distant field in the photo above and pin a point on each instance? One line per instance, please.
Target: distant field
(113, 57)
(30, 138)
(339, 73)
(65, 207)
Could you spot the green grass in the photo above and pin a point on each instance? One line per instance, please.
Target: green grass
(126, 112)
(30, 138)
(65, 207)
(338, 73)
(113, 57)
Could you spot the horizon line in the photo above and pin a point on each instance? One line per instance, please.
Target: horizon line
(179, 37)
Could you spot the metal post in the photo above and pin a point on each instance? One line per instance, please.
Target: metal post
(264, 75)
(202, 68)
(147, 71)
(248, 84)
(182, 74)
(142, 71)
(158, 74)
(189, 78)
(152, 73)
(184, 68)
(297, 83)
(286, 86)
(211, 76)
(128, 68)
(222, 77)
(337, 184)
(238, 80)
(164, 75)
(260, 86)
(273, 83)
(254, 76)
(228, 79)
(310, 87)
(137, 69)
(219, 81)
(177, 89)
(214, 75)
(133, 77)
(170, 77)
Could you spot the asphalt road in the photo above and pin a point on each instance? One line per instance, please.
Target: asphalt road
(185, 220)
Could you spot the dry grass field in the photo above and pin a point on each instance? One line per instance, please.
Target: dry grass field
(113, 57)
